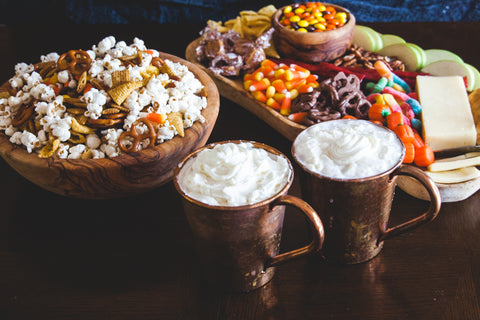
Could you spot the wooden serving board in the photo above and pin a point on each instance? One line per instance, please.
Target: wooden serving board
(232, 89)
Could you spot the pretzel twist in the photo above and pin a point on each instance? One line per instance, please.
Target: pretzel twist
(77, 61)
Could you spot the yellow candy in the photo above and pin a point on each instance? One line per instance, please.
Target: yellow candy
(341, 16)
(302, 30)
(397, 87)
(293, 93)
(294, 19)
(299, 11)
(258, 76)
(303, 23)
(287, 9)
(380, 99)
(270, 92)
(279, 72)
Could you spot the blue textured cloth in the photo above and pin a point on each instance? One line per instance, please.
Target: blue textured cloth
(199, 11)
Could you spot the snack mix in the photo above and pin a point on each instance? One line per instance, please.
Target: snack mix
(112, 99)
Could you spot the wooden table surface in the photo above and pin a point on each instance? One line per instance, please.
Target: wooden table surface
(132, 258)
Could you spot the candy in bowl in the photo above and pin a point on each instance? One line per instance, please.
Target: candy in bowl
(313, 31)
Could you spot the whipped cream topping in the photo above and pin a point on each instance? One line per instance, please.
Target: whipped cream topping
(234, 174)
(348, 149)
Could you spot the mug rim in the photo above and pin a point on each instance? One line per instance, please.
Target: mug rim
(372, 177)
(211, 145)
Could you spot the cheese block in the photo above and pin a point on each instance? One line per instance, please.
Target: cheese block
(446, 114)
(454, 176)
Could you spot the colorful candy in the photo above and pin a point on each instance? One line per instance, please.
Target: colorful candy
(394, 105)
(312, 17)
(384, 71)
(277, 85)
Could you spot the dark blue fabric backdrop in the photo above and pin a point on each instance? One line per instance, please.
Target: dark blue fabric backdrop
(198, 11)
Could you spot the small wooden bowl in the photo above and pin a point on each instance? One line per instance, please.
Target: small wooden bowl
(313, 47)
(125, 175)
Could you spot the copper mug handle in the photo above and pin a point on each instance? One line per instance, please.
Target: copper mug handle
(317, 226)
(429, 215)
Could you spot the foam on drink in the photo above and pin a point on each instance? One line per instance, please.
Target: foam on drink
(348, 149)
(234, 174)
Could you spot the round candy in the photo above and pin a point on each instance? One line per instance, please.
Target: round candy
(312, 17)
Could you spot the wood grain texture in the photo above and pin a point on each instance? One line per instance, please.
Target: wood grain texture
(125, 174)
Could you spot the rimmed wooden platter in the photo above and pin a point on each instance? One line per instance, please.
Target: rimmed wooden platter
(232, 89)
(124, 175)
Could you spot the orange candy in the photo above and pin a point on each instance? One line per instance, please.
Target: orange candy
(308, 11)
(279, 84)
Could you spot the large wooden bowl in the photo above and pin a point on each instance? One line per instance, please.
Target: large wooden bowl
(125, 175)
(313, 47)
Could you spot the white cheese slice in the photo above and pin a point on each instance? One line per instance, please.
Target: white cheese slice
(460, 157)
(446, 114)
(454, 164)
(454, 176)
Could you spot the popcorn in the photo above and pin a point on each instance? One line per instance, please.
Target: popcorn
(92, 54)
(28, 139)
(111, 135)
(166, 133)
(63, 76)
(97, 154)
(62, 151)
(96, 68)
(139, 44)
(22, 67)
(92, 141)
(60, 107)
(104, 45)
(42, 137)
(113, 64)
(16, 101)
(31, 79)
(109, 150)
(128, 51)
(16, 82)
(43, 92)
(95, 100)
(5, 120)
(10, 131)
(76, 151)
(60, 128)
(53, 56)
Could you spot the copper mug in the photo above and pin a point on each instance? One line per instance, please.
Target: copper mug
(355, 212)
(238, 246)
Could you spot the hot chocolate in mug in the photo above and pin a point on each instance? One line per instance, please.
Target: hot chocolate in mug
(234, 195)
(349, 170)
